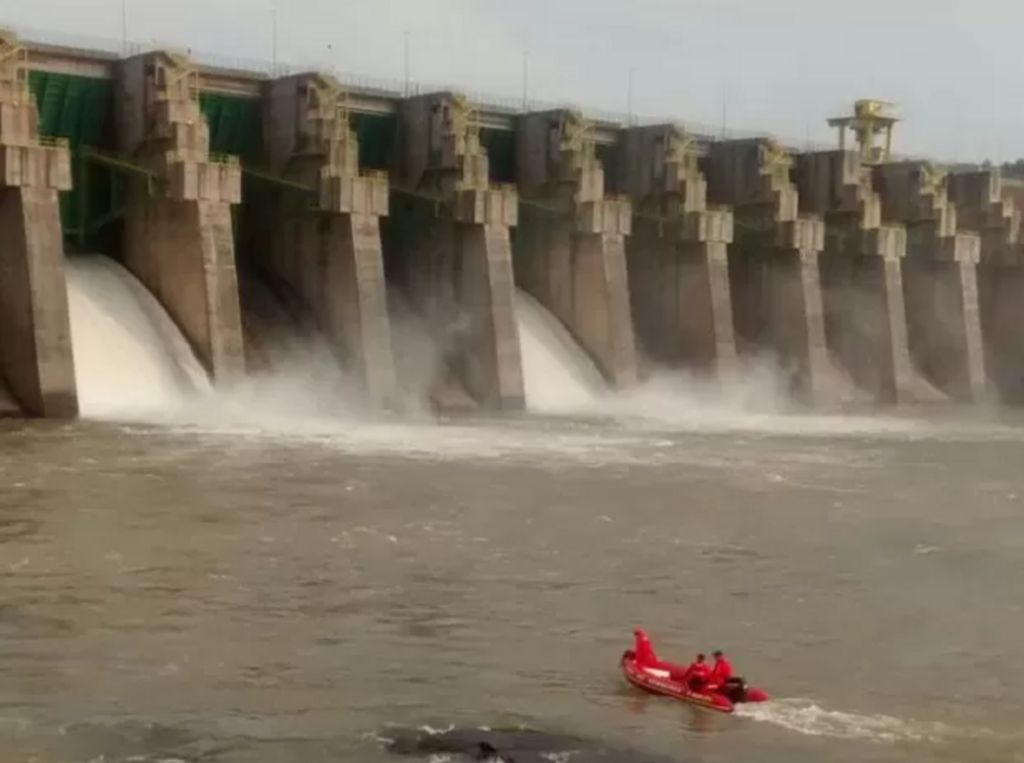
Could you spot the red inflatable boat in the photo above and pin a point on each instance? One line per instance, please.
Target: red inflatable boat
(657, 680)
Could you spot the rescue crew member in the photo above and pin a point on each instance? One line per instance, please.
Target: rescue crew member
(721, 671)
(698, 674)
(643, 651)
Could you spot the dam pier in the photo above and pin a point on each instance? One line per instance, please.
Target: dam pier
(260, 210)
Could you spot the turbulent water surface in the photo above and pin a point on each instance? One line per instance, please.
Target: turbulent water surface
(237, 590)
(255, 576)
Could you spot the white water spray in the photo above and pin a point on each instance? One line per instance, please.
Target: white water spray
(810, 719)
(130, 357)
(133, 363)
(558, 376)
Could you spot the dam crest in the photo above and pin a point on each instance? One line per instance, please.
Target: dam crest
(545, 260)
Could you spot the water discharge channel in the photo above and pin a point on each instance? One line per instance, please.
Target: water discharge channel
(248, 589)
(558, 375)
(130, 357)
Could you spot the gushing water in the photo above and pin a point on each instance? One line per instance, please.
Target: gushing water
(558, 376)
(130, 357)
(133, 363)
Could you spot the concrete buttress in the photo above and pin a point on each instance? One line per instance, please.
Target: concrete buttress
(179, 240)
(570, 246)
(940, 283)
(865, 316)
(452, 251)
(329, 252)
(774, 266)
(981, 206)
(36, 361)
(677, 253)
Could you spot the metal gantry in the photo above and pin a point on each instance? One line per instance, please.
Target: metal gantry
(870, 118)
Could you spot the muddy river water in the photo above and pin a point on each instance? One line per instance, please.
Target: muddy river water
(257, 592)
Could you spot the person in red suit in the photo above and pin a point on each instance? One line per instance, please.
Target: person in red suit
(721, 671)
(698, 674)
(643, 651)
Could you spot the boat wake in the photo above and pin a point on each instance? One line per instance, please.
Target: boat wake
(808, 718)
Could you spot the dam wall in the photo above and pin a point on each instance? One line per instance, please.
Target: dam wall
(774, 265)
(861, 273)
(678, 254)
(178, 235)
(450, 249)
(36, 365)
(940, 279)
(984, 206)
(366, 216)
(320, 226)
(570, 245)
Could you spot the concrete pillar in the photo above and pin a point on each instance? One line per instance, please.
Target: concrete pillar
(178, 235)
(451, 250)
(939, 279)
(36, 363)
(570, 247)
(865, 315)
(774, 266)
(981, 206)
(328, 248)
(677, 253)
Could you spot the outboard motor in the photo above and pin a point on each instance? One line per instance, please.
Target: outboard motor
(735, 689)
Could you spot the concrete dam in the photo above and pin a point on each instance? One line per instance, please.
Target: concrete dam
(240, 215)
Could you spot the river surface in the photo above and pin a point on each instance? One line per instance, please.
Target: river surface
(265, 592)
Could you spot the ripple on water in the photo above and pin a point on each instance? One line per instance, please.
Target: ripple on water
(212, 578)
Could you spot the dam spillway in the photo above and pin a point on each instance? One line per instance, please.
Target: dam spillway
(855, 273)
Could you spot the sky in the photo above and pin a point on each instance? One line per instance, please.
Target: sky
(954, 70)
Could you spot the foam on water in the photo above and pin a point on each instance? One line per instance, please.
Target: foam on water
(130, 357)
(754, 402)
(806, 717)
(560, 378)
(417, 440)
(132, 363)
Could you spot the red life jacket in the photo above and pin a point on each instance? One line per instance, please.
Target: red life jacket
(721, 672)
(642, 649)
(698, 670)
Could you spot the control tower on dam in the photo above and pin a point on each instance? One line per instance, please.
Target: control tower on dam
(899, 266)
(254, 207)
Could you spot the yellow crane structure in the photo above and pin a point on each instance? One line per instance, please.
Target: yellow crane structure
(870, 119)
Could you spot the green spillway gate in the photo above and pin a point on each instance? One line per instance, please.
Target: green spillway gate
(77, 109)
(236, 125)
(377, 135)
(80, 110)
